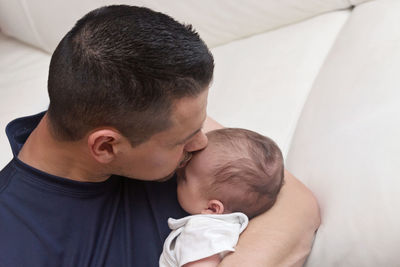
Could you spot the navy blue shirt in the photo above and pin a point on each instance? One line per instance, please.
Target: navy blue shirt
(51, 221)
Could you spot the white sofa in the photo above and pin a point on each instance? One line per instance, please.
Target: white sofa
(321, 77)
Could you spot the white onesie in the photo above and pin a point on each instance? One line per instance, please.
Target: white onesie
(199, 236)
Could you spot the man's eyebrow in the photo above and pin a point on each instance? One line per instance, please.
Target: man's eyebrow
(190, 136)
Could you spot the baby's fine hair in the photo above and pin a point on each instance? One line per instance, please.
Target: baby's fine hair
(248, 171)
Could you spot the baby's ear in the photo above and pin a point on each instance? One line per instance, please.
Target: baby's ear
(214, 207)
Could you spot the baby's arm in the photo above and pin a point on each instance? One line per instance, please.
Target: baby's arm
(211, 261)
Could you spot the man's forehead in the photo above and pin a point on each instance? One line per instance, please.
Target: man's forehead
(189, 107)
(190, 112)
(187, 117)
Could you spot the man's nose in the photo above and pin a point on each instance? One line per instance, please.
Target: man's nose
(197, 143)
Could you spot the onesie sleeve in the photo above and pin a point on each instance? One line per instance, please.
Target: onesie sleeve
(204, 235)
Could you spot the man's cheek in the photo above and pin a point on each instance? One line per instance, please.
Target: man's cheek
(166, 161)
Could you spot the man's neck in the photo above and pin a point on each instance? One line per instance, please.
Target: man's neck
(69, 160)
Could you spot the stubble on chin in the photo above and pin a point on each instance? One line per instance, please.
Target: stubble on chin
(182, 164)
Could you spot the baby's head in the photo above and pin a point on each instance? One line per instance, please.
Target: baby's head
(239, 171)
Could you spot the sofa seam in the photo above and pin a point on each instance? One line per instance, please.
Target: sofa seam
(301, 106)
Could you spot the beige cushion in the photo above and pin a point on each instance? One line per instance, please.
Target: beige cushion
(43, 23)
(23, 86)
(346, 147)
(261, 83)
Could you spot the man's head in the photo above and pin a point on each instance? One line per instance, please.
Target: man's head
(128, 70)
(239, 171)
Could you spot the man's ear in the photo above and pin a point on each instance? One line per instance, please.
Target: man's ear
(214, 207)
(102, 145)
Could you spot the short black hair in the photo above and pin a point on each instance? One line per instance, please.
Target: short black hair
(123, 66)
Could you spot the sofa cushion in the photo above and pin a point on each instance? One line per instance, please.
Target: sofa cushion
(346, 146)
(43, 23)
(262, 82)
(23, 86)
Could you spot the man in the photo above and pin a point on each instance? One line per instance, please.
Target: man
(128, 93)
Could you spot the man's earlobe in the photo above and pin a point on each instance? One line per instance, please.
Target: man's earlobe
(214, 207)
(102, 145)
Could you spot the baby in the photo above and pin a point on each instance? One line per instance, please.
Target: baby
(236, 177)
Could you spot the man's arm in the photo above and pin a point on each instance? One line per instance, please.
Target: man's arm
(281, 236)
(211, 261)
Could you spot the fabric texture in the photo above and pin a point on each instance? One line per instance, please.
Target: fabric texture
(251, 88)
(199, 236)
(52, 221)
(346, 147)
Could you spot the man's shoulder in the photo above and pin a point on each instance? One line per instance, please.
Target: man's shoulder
(6, 174)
